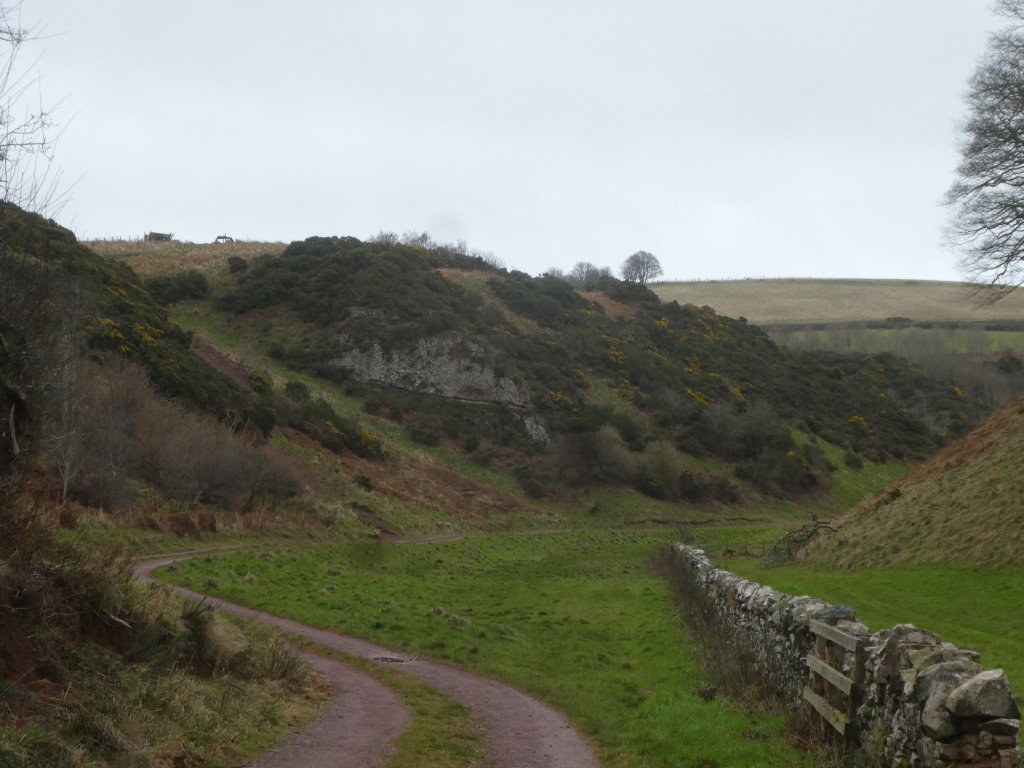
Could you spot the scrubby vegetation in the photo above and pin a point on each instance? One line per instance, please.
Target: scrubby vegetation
(368, 291)
(951, 331)
(95, 670)
(317, 418)
(60, 295)
(666, 377)
(168, 289)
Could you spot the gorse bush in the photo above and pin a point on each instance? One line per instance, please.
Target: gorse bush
(742, 433)
(684, 376)
(237, 264)
(382, 292)
(545, 300)
(107, 308)
(169, 289)
(316, 417)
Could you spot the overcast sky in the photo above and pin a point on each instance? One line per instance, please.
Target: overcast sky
(731, 139)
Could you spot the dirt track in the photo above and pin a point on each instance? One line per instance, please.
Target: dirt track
(521, 732)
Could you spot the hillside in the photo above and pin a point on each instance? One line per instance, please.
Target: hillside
(357, 392)
(942, 327)
(526, 374)
(809, 301)
(964, 505)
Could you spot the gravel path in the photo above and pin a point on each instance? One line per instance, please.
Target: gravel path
(521, 732)
(354, 731)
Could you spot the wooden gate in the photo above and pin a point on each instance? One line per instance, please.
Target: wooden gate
(833, 695)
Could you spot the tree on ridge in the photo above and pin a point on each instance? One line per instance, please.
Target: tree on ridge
(641, 267)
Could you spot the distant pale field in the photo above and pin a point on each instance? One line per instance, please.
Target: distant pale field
(766, 302)
(152, 258)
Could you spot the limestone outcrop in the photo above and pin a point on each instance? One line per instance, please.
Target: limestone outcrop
(447, 364)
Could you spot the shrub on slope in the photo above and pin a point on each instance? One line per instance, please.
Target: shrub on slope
(660, 372)
(112, 310)
(96, 670)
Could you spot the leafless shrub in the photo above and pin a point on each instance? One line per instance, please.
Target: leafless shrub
(660, 469)
(28, 130)
(182, 524)
(727, 665)
(36, 346)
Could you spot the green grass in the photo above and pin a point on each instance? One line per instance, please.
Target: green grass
(225, 333)
(576, 619)
(730, 539)
(848, 485)
(976, 608)
(616, 505)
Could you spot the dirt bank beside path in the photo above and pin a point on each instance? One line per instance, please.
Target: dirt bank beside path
(521, 732)
(354, 731)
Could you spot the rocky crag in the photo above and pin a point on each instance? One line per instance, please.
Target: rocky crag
(446, 364)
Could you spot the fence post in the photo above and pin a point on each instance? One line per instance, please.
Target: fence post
(833, 695)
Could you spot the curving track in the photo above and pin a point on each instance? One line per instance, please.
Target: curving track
(362, 720)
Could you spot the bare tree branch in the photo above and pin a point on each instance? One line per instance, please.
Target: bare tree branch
(987, 198)
(28, 131)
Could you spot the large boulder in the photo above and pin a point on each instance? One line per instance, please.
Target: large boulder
(986, 695)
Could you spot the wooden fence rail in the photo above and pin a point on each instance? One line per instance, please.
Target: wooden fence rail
(834, 695)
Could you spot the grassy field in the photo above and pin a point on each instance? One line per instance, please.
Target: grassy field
(904, 341)
(976, 608)
(577, 619)
(152, 258)
(954, 336)
(767, 302)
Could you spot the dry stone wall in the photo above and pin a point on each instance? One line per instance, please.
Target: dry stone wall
(924, 703)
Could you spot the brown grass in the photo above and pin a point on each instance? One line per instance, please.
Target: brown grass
(612, 308)
(965, 505)
(150, 259)
(767, 302)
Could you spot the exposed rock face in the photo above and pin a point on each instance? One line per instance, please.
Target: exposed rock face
(924, 702)
(448, 365)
